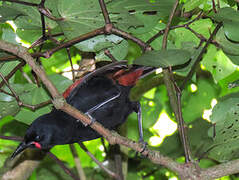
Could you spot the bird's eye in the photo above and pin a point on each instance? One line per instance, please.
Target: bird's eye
(37, 138)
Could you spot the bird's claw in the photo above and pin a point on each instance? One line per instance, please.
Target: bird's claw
(141, 141)
(91, 118)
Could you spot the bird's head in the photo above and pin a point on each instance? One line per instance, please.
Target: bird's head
(39, 135)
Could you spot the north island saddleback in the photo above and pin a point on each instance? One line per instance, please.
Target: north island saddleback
(103, 95)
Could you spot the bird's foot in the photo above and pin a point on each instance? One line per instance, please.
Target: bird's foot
(91, 118)
(139, 154)
(141, 141)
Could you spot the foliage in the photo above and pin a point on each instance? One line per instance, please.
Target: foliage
(213, 139)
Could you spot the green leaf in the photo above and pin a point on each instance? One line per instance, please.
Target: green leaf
(28, 20)
(119, 51)
(217, 63)
(80, 17)
(9, 35)
(171, 146)
(83, 16)
(7, 147)
(8, 108)
(225, 118)
(98, 43)
(150, 21)
(199, 100)
(234, 59)
(64, 152)
(37, 95)
(61, 82)
(164, 58)
(8, 13)
(230, 19)
(230, 84)
(150, 111)
(156, 44)
(163, 7)
(227, 46)
(183, 35)
(5, 68)
(192, 4)
(199, 140)
(195, 52)
(27, 116)
(227, 106)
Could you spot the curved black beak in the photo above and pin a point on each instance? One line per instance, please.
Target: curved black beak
(20, 148)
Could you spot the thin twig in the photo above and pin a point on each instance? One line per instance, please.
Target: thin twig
(20, 103)
(107, 53)
(7, 93)
(69, 43)
(166, 32)
(105, 12)
(72, 68)
(103, 143)
(184, 136)
(61, 164)
(170, 84)
(10, 88)
(79, 168)
(214, 6)
(199, 58)
(109, 172)
(161, 32)
(118, 166)
(26, 76)
(46, 12)
(125, 35)
(13, 138)
(21, 64)
(43, 26)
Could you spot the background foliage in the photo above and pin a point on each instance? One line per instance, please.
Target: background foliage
(214, 139)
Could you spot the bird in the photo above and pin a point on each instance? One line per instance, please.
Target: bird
(103, 95)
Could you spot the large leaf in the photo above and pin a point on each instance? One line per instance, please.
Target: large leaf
(164, 58)
(83, 16)
(226, 139)
(228, 47)
(230, 19)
